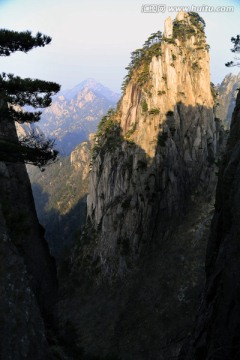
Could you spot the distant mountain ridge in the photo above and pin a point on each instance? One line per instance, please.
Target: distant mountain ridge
(75, 113)
(93, 85)
(227, 94)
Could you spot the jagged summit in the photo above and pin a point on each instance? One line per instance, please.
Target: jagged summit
(75, 113)
(95, 86)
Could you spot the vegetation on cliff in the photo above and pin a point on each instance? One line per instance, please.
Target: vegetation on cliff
(141, 58)
(108, 136)
(183, 30)
(235, 49)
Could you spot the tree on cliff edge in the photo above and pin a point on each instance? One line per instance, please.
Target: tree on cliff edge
(16, 92)
(236, 49)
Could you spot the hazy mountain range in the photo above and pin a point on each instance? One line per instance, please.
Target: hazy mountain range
(227, 94)
(75, 113)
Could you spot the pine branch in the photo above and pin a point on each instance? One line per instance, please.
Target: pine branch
(20, 116)
(231, 64)
(33, 92)
(12, 41)
(32, 149)
(236, 49)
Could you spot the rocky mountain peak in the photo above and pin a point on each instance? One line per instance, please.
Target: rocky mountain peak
(93, 85)
(161, 140)
(75, 113)
(182, 15)
(177, 73)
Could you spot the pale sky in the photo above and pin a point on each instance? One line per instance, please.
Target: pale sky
(94, 38)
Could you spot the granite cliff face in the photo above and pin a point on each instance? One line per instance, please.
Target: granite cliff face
(28, 275)
(227, 93)
(137, 271)
(169, 140)
(23, 335)
(216, 334)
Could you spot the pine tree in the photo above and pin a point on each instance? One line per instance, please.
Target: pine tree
(15, 93)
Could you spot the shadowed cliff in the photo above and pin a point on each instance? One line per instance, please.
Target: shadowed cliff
(216, 334)
(31, 270)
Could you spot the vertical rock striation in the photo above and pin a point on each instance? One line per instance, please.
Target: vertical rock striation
(169, 142)
(216, 334)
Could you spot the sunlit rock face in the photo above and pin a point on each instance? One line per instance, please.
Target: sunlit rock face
(138, 267)
(137, 189)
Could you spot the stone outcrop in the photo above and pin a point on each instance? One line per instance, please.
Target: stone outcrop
(168, 27)
(216, 335)
(80, 159)
(137, 271)
(140, 188)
